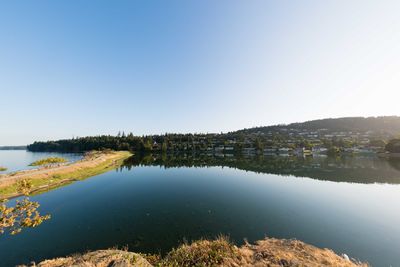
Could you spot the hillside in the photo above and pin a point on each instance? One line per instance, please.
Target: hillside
(334, 134)
(388, 125)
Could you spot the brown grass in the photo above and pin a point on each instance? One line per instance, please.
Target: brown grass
(220, 252)
(201, 253)
(282, 252)
(100, 258)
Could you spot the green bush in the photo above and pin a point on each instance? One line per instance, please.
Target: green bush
(393, 146)
(48, 161)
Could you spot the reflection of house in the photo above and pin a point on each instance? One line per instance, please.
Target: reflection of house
(363, 150)
(219, 149)
(359, 150)
(348, 150)
(156, 146)
(302, 151)
(299, 151)
(376, 148)
(249, 150)
(284, 150)
(269, 151)
(319, 150)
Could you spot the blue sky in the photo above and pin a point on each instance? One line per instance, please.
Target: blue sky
(76, 68)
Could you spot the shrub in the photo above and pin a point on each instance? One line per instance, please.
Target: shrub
(200, 253)
(48, 161)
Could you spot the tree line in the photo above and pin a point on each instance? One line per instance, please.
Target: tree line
(235, 142)
(129, 142)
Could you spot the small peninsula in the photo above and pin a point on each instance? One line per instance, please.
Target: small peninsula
(52, 176)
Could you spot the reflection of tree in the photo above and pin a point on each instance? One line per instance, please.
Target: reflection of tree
(24, 214)
(395, 163)
(344, 169)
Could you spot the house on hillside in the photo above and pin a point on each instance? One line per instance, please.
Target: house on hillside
(249, 151)
(270, 151)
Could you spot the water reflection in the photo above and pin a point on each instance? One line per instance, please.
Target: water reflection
(17, 160)
(356, 169)
(152, 209)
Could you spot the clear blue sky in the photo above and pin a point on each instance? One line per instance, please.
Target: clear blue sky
(96, 67)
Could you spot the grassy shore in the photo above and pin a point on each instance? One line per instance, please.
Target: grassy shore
(48, 161)
(220, 252)
(46, 178)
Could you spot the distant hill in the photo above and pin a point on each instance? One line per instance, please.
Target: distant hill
(12, 147)
(388, 125)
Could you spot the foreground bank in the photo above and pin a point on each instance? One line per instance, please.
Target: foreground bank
(46, 178)
(268, 252)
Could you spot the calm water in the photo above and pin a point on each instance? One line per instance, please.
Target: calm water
(16, 160)
(153, 204)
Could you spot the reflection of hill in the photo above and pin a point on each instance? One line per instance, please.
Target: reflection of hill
(343, 169)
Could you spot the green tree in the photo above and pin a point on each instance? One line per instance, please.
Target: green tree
(393, 146)
(164, 146)
(258, 144)
(377, 143)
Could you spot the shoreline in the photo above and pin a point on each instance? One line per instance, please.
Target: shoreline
(219, 252)
(389, 155)
(47, 178)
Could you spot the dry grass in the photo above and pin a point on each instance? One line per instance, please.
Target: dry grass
(281, 252)
(220, 252)
(100, 258)
(201, 253)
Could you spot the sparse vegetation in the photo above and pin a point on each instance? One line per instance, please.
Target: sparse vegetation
(24, 214)
(48, 161)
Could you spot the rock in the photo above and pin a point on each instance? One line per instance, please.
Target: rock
(344, 256)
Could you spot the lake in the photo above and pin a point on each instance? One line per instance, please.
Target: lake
(154, 203)
(16, 160)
